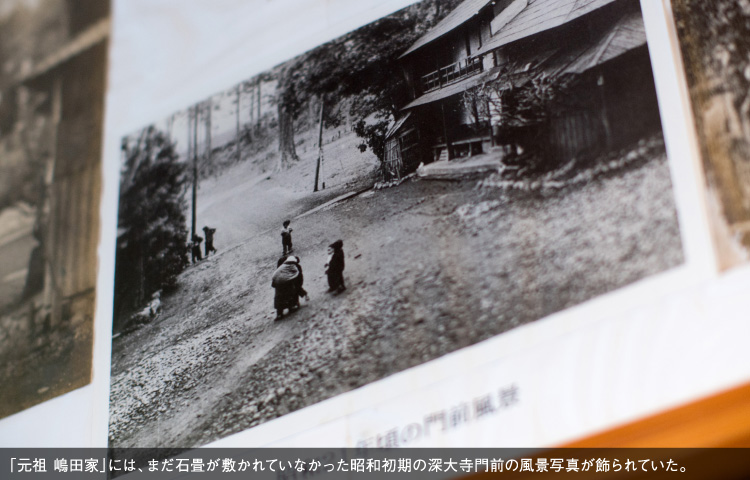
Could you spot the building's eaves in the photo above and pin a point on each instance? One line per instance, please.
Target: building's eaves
(539, 16)
(460, 15)
(627, 34)
(453, 89)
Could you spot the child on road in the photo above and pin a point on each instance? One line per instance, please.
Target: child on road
(209, 232)
(335, 267)
(196, 248)
(286, 238)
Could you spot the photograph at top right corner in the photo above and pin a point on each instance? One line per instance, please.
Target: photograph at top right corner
(714, 39)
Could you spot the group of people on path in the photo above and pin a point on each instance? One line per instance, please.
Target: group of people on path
(288, 280)
(195, 244)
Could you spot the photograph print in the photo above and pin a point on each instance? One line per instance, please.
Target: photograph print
(428, 181)
(53, 60)
(713, 38)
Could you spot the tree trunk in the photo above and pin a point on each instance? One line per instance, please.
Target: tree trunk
(170, 126)
(260, 82)
(311, 110)
(251, 103)
(349, 122)
(189, 139)
(237, 136)
(287, 151)
(320, 149)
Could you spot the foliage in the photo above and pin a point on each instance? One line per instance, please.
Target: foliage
(718, 32)
(373, 71)
(519, 99)
(362, 68)
(373, 136)
(151, 225)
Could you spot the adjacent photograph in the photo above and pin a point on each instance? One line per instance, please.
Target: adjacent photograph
(428, 181)
(713, 39)
(53, 61)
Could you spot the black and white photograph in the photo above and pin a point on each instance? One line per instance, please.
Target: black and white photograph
(716, 57)
(445, 174)
(52, 83)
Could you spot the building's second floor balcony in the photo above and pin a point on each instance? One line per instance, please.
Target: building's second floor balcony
(451, 73)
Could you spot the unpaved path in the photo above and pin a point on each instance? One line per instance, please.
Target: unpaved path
(431, 267)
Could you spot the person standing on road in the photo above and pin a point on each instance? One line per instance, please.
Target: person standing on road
(335, 267)
(196, 248)
(209, 232)
(286, 238)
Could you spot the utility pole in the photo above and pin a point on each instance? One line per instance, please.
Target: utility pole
(195, 167)
(189, 122)
(320, 148)
(209, 112)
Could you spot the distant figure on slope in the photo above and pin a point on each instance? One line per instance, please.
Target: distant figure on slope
(287, 281)
(335, 267)
(286, 238)
(209, 232)
(196, 248)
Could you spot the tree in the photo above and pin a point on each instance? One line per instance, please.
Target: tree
(237, 109)
(151, 222)
(523, 96)
(518, 99)
(288, 106)
(717, 34)
(358, 68)
(373, 136)
(370, 58)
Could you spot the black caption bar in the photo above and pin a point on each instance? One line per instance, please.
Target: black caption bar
(314, 464)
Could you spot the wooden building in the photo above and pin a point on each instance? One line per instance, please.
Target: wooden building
(71, 81)
(597, 46)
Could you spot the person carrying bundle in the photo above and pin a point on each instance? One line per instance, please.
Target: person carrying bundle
(287, 281)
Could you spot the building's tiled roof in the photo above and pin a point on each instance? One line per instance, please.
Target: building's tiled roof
(624, 35)
(539, 16)
(627, 34)
(453, 89)
(398, 124)
(460, 15)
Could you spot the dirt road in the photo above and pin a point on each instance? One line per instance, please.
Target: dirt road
(432, 267)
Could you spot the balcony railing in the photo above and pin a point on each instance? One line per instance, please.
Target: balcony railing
(452, 73)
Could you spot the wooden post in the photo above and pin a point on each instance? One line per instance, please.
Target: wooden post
(209, 148)
(52, 288)
(195, 168)
(189, 154)
(445, 132)
(605, 116)
(320, 147)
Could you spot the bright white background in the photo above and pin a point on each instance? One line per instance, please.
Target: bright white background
(658, 343)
